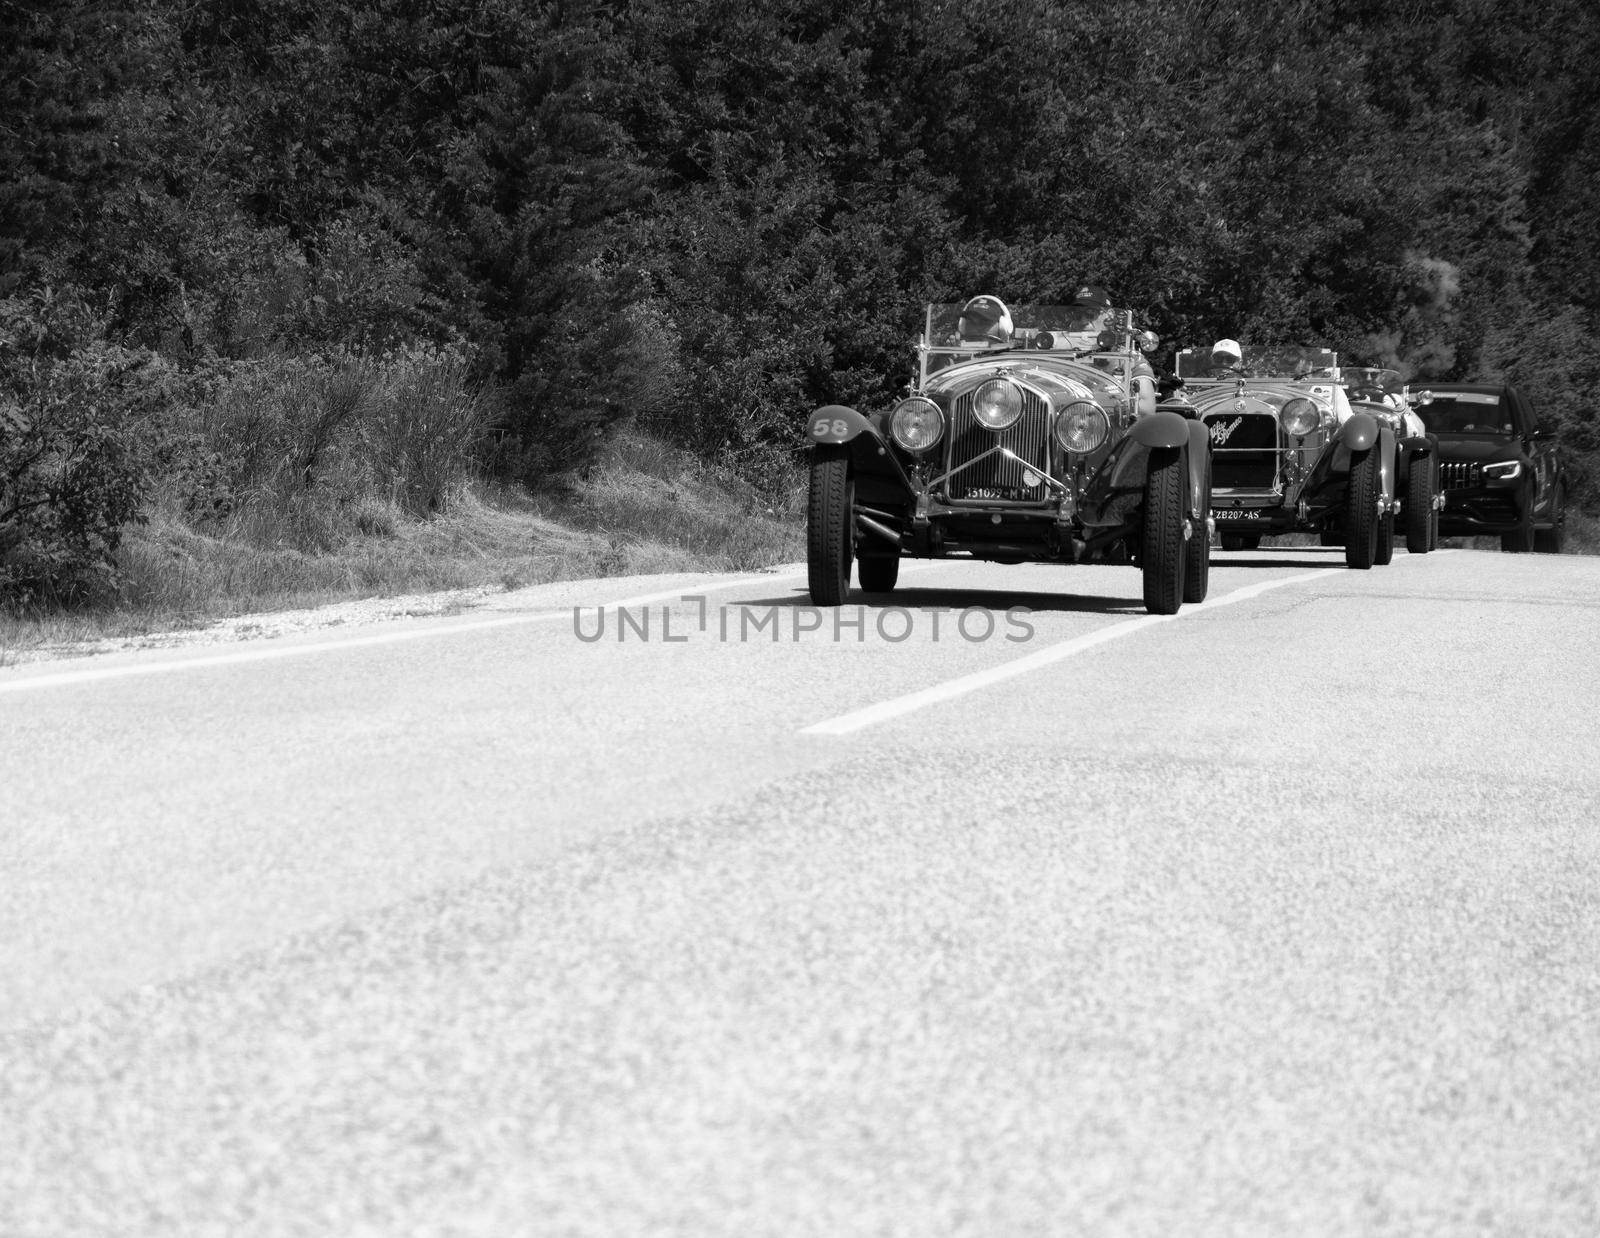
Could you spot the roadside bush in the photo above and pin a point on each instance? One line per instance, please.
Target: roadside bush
(424, 428)
(75, 464)
(299, 451)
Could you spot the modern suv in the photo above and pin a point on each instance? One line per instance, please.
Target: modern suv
(1498, 467)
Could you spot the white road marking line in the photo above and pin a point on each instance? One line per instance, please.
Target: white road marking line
(266, 653)
(844, 724)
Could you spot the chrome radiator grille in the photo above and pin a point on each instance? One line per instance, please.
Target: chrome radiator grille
(997, 476)
(1244, 450)
(1459, 474)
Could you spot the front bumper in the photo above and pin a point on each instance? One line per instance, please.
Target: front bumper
(1481, 509)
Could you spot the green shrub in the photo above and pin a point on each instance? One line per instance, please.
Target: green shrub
(75, 464)
(424, 427)
(299, 451)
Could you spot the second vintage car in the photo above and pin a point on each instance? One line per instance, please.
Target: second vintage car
(1292, 454)
(1020, 439)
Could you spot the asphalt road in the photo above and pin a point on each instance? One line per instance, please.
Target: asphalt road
(1278, 917)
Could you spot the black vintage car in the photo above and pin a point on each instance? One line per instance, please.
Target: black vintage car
(1293, 454)
(1499, 469)
(1019, 439)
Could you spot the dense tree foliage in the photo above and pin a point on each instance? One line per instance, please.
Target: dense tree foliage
(711, 216)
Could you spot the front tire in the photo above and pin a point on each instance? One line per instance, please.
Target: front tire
(1421, 524)
(1520, 540)
(1161, 545)
(1551, 541)
(1361, 511)
(830, 535)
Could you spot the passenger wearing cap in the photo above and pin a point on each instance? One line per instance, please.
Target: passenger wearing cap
(1091, 297)
(1227, 360)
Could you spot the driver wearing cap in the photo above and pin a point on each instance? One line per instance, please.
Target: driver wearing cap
(1227, 360)
(985, 320)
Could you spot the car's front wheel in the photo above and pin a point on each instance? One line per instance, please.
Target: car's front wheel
(830, 535)
(1361, 510)
(1161, 545)
(1421, 519)
(1551, 541)
(1520, 540)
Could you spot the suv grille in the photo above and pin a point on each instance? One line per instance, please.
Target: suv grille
(1244, 450)
(998, 476)
(1459, 474)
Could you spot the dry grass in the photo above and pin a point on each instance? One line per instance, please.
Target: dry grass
(644, 508)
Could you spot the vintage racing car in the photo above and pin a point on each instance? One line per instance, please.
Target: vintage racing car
(1019, 439)
(1290, 452)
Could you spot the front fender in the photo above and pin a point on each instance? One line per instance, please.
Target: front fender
(1162, 429)
(1199, 470)
(1386, 463)
(1359, 432)
(834, 423)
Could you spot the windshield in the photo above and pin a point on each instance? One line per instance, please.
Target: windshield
(1072, 330)
(1464, 412)
(1288, 362)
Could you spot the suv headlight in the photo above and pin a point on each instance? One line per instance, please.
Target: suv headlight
(1082, 426)
(1506, 470)
(1299, 417)
(997, 404)
(916, 424)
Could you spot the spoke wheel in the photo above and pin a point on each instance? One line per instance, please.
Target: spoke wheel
(1421, 519)
(1197, 552)
(1161, 543)
(830, 535)
(1361, 510)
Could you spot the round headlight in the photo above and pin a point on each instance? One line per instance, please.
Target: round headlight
(1299, 417)
(1082, 426)
(916, 424)
(997, 404)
